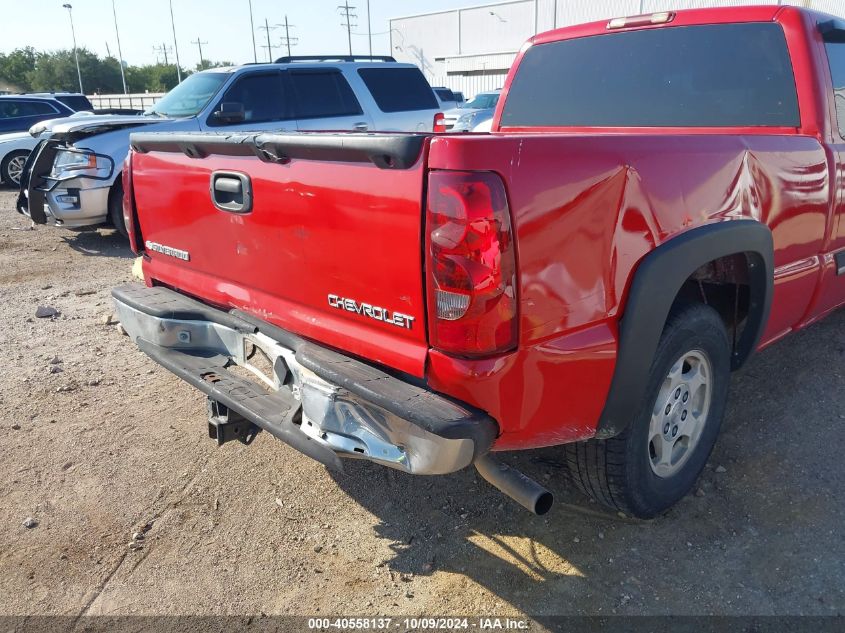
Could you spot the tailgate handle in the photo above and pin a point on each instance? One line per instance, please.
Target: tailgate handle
(231, 191)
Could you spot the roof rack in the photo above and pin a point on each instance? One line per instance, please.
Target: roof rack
(335, 58)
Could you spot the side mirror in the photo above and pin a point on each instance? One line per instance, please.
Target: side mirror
(230, 112)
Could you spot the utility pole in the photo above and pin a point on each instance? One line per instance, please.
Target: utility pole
(163, 49)
(346, 13)
(252, 30)
(287, 40)
(175, 44)
(199, 44)
(267, 28)
(75, 53)
(119, 51)
(370, 30)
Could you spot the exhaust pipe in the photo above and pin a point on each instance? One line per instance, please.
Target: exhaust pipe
(522, 489)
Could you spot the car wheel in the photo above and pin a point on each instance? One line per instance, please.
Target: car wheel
(116, 208)
(658, 458)
(11, 169)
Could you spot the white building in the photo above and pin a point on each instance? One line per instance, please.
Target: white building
(472, 49)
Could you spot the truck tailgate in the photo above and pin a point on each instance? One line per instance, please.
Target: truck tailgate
(319, 234)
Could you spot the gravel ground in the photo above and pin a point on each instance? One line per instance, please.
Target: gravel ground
(98, 443)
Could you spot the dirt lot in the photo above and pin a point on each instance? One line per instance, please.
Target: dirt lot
(98, 442)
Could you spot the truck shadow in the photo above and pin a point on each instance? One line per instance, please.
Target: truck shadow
(728, 544)
(102, 242)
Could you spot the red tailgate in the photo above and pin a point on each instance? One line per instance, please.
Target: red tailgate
(330, 249)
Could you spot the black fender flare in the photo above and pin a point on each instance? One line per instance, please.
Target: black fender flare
(656, 282)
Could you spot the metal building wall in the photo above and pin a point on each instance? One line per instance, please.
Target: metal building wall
(423, 39)
(471, 49)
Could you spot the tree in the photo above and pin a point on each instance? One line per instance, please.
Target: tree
(206, 64)
(15, 69)
(56, 72)
(28, 70)
(154, 78)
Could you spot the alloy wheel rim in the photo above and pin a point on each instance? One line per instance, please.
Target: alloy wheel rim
(15, 169)
(680, 413)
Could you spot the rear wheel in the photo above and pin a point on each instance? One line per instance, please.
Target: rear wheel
(116, 208)
(658, 458)
(11, 169)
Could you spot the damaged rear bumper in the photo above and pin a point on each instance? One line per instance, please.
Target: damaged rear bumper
(320, 402)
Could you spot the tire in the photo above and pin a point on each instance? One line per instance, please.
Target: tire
(12, 167)
(656, 461)
(116, 208)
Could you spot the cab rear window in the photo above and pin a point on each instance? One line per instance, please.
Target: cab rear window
(722, 75)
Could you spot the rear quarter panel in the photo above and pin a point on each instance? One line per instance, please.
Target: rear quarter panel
(586, 209)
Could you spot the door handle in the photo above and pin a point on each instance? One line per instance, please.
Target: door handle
(361, 126)
(231, 191)
(228, 185)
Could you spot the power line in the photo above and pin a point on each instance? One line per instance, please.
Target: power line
(286, 40)
(346, 12)
(267, 28)
(199, 44)
(164, 49)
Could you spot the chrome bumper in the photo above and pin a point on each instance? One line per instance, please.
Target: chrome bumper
(77, 203)
(320, 402)
(70, 202)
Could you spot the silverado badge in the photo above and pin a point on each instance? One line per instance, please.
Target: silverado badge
(167, 250)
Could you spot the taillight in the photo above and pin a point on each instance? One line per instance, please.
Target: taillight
(439, 122)
(472, 303)
(129, 205)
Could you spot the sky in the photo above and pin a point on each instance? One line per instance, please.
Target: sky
(223, 26)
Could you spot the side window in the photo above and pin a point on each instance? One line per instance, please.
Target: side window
(40, 107)
(399, 89)
(12, 109)
(262, 96)
(321, 94)
(836, 57)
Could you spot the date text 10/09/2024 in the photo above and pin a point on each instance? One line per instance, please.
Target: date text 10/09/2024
(419, 624)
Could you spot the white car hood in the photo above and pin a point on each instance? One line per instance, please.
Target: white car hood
(95, 123)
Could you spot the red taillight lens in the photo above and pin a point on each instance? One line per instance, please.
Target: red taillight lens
(472, 309)
(439, 122)
(129, 205)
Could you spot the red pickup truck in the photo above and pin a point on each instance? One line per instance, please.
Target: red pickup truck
(660, 196)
